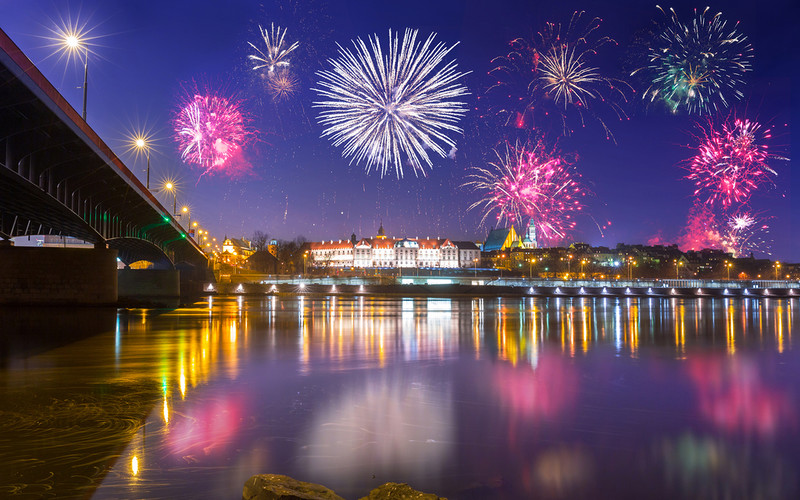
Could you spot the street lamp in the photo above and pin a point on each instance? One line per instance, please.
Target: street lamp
(530, 267)
(777, 269)
(728, 266)
(631, 263)
(305, 263)
(185, 211)
(140, 143)
(169, 186)
(73, 42)
(678, 263)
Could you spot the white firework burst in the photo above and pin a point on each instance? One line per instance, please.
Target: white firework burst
(276, 54)
(568, 77)
(385, 108)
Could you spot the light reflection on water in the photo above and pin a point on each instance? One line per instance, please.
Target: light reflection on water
(468, 398)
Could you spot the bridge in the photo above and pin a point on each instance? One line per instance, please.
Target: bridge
(57, 177)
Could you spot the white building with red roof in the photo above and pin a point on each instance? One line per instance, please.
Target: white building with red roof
(392, 252)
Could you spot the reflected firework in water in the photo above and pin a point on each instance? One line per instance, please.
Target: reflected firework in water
(384, 430)
(733, 395)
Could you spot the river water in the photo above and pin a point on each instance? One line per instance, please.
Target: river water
(470, 398)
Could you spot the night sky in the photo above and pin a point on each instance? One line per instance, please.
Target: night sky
(147, 53)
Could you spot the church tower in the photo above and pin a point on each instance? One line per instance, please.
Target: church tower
(530, 235)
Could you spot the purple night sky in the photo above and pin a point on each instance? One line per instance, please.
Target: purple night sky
(146, 53)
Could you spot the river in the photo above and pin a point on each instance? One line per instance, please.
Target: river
(469, 398)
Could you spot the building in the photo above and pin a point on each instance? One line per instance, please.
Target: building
(235, 251)
(382, 251)
(501, 239)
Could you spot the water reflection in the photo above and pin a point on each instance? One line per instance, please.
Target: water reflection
(468, 397)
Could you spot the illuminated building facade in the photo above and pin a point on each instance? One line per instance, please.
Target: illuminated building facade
(393, 253)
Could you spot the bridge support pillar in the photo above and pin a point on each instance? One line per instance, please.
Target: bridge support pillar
(149, 285)
(47, 276)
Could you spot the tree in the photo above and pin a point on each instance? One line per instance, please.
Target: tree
(260, 240)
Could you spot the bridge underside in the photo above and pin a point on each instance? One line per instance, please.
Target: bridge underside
(130, 250)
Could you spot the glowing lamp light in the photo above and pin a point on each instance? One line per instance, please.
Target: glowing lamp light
(135, 465)
(240, 288)
(210, 287)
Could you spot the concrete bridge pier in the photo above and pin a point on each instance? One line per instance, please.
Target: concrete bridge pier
(149, 284)
(51, 276)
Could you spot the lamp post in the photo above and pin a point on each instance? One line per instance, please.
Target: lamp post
(169, 186)
(305, 263)
(140, 143)
(777, 269)
(677, 266)
(73, 42)
(530, 267)
(631, 262)
(185, 211)
(475, 267)
(728, 266)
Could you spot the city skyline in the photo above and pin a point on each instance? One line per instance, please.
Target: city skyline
(298, 183)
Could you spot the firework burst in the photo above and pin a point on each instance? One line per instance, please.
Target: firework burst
(731, 162)
(699, 66)
(211, 130)
(276, 55)
(530, 183)
(282, 85)
(387, 108)
(746, 233)
(544, 82)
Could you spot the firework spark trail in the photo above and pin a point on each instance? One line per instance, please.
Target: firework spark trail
(731, 162)
(529, 182)
(211, 130)
(277, 54)
(546, 84)
(699, 66)
(383, 107)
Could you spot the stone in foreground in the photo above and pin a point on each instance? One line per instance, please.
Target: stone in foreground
(278, 487)
(399, 491)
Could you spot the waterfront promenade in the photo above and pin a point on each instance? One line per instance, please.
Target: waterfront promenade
(477, 285)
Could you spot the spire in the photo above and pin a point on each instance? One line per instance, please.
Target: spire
(381, 232)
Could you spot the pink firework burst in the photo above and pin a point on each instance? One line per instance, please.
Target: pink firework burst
(211, 130)
(731, 162)
(530, 183)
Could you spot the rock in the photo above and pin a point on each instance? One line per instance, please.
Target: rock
(399, 491)
(278, 487)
